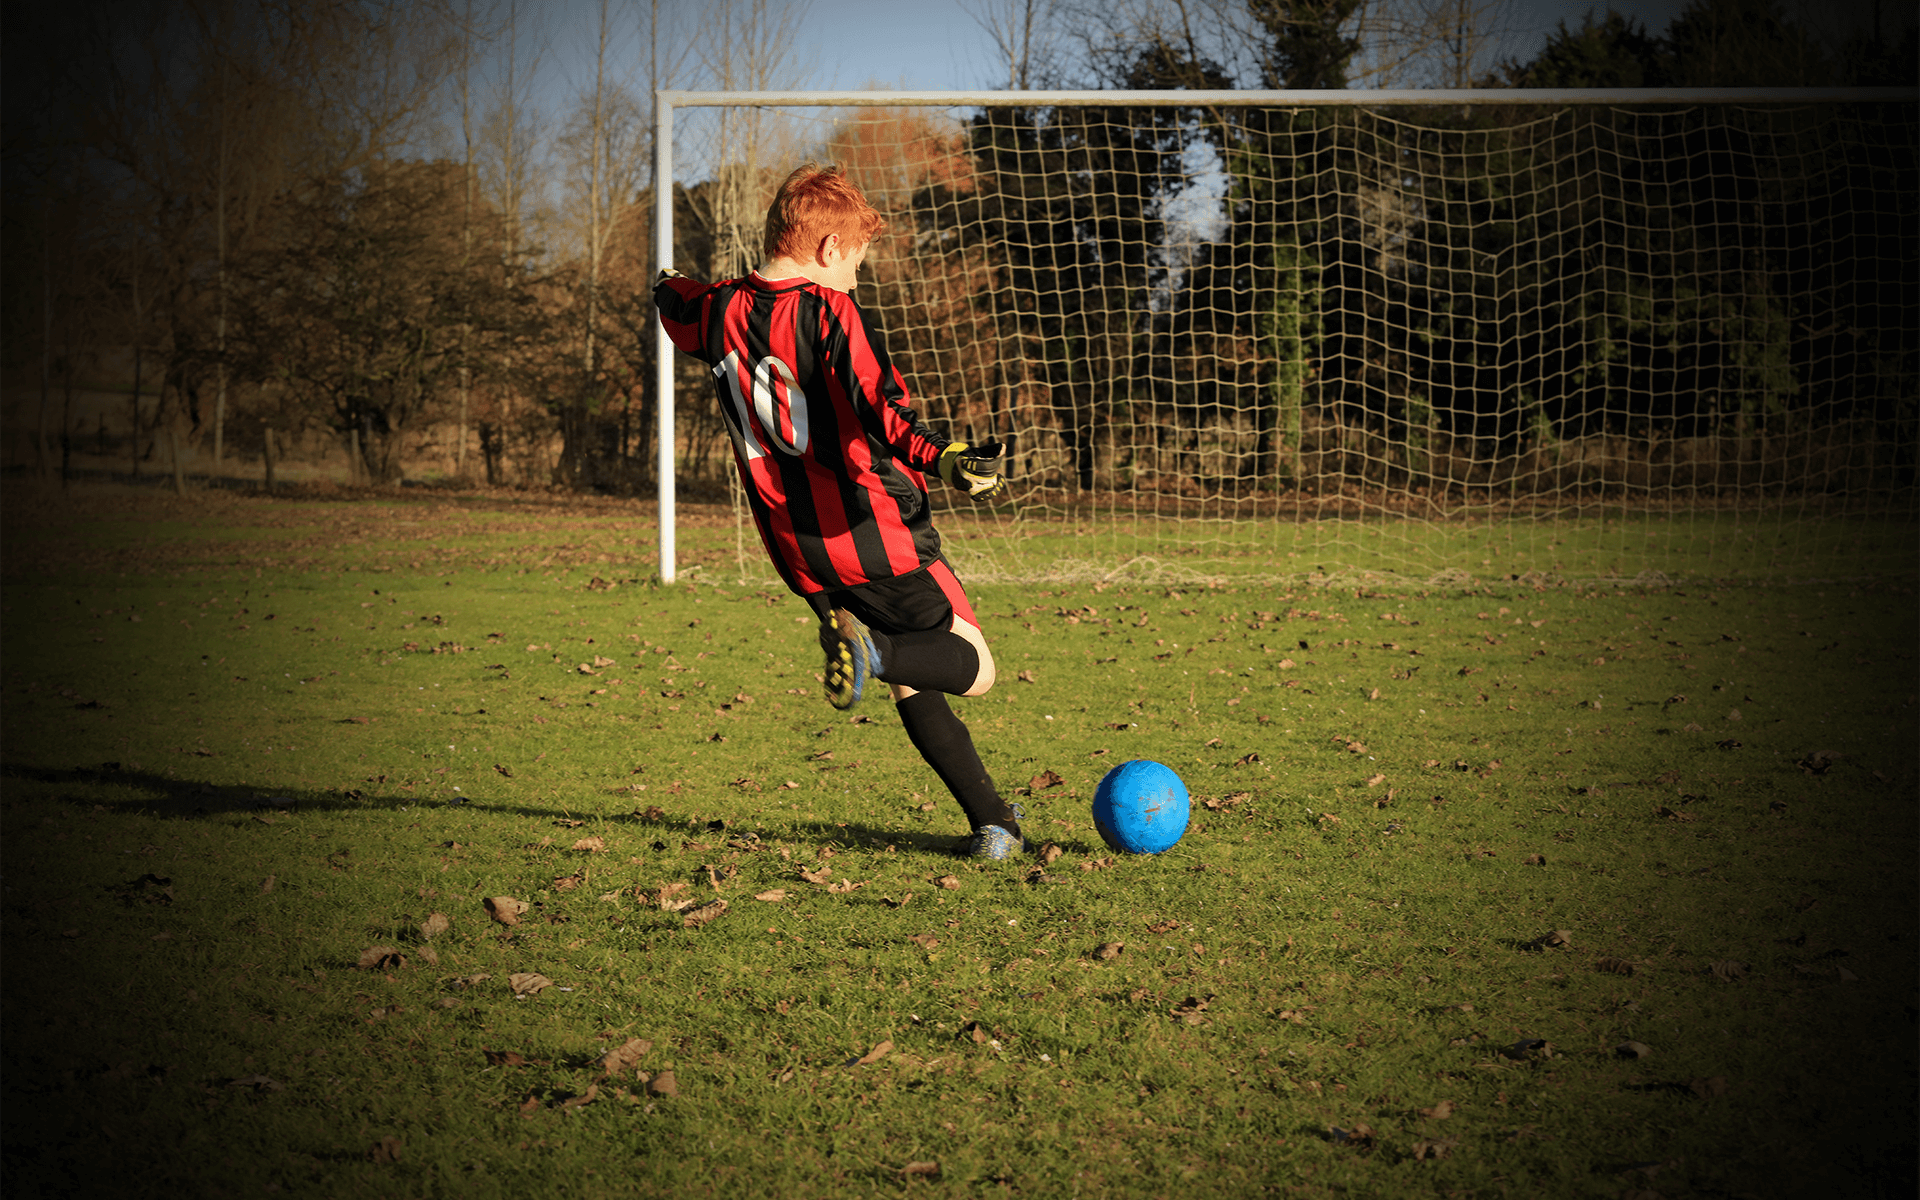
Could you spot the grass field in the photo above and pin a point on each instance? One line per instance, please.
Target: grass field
(1534, 891)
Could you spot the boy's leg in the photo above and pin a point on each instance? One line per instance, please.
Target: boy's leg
(942, 739)
(928, 642)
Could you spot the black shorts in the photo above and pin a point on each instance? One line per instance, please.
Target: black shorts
(925, 601)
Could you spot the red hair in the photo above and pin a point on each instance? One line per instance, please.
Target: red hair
(814, 202)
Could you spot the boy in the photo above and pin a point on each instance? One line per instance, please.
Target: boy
(831, 458)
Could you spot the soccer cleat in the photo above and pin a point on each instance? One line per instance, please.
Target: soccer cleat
(852, 658)
(993, 842)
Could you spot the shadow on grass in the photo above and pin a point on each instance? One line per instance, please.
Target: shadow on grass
(170, 796)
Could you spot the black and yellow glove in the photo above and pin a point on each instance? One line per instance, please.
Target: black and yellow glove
(975, 468)
(667, 273)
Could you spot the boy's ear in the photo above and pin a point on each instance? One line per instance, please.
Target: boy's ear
(828, 243)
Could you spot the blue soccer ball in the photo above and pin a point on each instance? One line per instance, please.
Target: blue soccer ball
(1140, 807)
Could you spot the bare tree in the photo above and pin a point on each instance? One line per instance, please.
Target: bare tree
(1024, 36)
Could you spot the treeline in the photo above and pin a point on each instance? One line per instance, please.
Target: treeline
(360, 225)
(1442, 297)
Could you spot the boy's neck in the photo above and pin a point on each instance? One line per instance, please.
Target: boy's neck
(793, 268)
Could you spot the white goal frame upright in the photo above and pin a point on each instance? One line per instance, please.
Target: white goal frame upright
(667, 102)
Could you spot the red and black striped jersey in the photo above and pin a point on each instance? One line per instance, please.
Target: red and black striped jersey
(829, 453)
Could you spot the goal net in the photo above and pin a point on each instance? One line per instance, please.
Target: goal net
(1430, 337)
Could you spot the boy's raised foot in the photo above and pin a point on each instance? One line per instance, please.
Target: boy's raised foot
(995, 843)
(852, 658)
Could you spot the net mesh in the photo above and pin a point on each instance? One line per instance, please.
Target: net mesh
(1574, 343)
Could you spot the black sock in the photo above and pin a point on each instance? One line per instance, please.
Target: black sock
(938, 661)
(942, 739)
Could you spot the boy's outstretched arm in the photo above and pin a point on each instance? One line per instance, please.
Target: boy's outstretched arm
(683, 310)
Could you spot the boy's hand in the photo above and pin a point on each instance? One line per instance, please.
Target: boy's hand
(975, 468)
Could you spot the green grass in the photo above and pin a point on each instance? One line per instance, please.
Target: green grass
(1309, 980)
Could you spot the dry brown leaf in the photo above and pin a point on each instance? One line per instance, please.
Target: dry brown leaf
(1559, 937)
(1044, 780)
(1614, 966)
(976, 1033)
(504, 909)
(1633, 1050)
(665, 1085)
(624, 1057)
(697, 917)
(844, 886)
(925, 1170)
(1050, 852)
(529, 983)
(1438, 1148)
(948, 882)
(509, 1058)
(566, 883)
(587, 1097)
(925, 941)
(435, 925)
(386, 1150)
(771, 895)
(874, 1055)
(1438, 1112)
(1376, 780)
(1167, 926)
(381, 958)
(1528, 1047)
(1110, 950)
(819, 876)
(591, 845)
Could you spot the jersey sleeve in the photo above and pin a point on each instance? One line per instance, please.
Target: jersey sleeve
(874, 384)
(683, 306)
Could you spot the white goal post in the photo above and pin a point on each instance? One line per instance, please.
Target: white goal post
(1575, 334)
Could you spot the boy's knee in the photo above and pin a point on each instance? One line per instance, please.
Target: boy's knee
(983, 682)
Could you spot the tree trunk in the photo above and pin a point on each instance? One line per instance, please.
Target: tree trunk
(267, 436)
(179, 469)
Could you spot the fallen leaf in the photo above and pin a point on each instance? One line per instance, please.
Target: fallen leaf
(1360, 1134)
(435, 925)
(381, 958)
(948, 882)
(925, 941)
(1438, 1112)
(587, 1097)
(819, 876)
(591, 845)
(665, 1085)
(1436, 1149)
(844, 886)
(505, 1058)
(566, 883)
(1050, 852)
(624, 1057)
(697, 917)
(1044, 780)
(1376, 780)
(1614, 966)
(1025, 677)
(1534, 860)
(1559, 937)
(1528, 1047)
(772, 895)
(874, 1055)
(1110, 950)
(529, 983)
(504, 909)
(925, 1170)
(975, 1032)
(386, 1150)
(1167, 926)
(1632, 1050)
